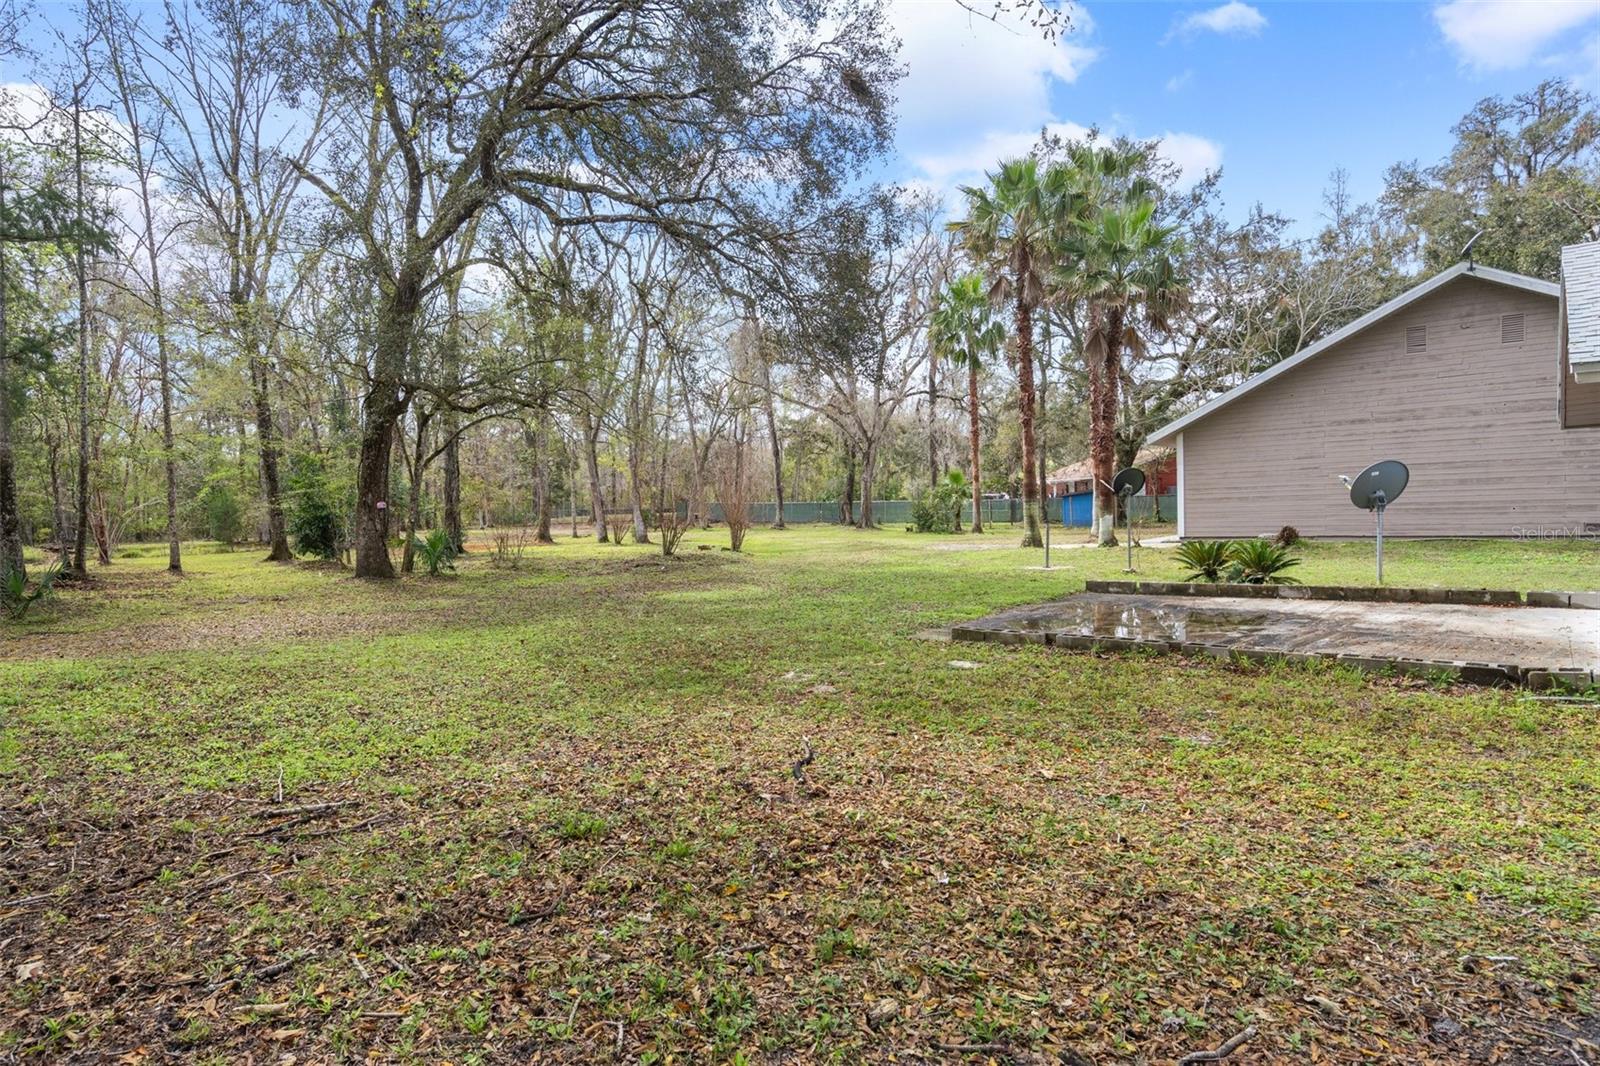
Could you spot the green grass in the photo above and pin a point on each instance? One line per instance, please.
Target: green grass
(571, 820)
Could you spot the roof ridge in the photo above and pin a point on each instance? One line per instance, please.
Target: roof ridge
(1483, 273)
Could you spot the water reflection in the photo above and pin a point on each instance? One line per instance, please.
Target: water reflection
(1127, 621)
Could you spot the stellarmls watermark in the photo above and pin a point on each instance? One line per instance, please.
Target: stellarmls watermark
(1584, 531)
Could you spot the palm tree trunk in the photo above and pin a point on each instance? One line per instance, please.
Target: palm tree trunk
(977, 475)
(1103, 424)
(1031, 537)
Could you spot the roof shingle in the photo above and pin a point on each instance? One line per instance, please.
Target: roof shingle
(1580, 277)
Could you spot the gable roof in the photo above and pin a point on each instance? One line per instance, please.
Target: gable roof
(1084, 470)
(1168, 433)
(1580, 278)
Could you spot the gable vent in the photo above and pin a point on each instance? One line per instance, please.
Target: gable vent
(1416, 339)
(1511, 329)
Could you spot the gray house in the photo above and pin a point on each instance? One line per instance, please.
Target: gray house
(1485, 383)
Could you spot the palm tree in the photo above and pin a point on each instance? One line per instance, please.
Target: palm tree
(966, 334)
(1119, 260)
(1010, 228)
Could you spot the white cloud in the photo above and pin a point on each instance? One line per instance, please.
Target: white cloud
(969, 163)
(977, 92)
(1234, 18)
(1507, 34)
(1193, 154)
(1179, 82)
(966, 74)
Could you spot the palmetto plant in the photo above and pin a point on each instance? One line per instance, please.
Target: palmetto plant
(1261, 562)
(1205, 560)
(435, 551)
(15, 595)
(965, 332)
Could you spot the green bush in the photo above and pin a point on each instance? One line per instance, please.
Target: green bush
(313, 511)
(1205, 560)
(1261, 562)
(15, 595)
(435, 551)
(224, 513)
(937, 509)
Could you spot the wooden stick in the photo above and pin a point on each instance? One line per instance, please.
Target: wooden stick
(1228, 1047)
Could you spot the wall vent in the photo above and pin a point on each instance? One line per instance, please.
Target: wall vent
(1416, 339)
(1511, 329)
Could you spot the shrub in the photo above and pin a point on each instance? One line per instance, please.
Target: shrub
(671, 528)
(508, 548)
(15, 595)
(1287, 537)
(1204, 559)
(618, 522)
(436, 551)
(735, 489)
(313, 511)
(1261, 562)
(937, 509)
(224, 514)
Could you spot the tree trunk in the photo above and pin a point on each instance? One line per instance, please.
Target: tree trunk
(452, 484)
(972, 430)
(382, 406)
(11, 560)
(266, 444)
(1041, 440)
(80, 534)
(1102, 429)
(772, 436)
(572, 497)
(414, 496)
(933, 444)
(58, 506)
(869, 459)
(847, 502)
(538, 440)
(597, 503)
(1031, 537)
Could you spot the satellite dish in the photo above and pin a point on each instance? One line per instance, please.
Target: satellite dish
(1374, 489)
(1379, 484)
(1129, 482)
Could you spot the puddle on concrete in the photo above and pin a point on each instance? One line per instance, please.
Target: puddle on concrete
(1126, 621)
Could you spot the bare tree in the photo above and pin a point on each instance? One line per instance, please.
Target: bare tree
(240, 168)
(735, 487)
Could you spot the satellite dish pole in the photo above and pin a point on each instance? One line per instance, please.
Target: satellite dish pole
(1378, 504)
(1466, 252)
(1125, 486)
(1374, 489)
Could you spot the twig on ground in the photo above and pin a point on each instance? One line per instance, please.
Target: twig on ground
(370, 823)
(302, 815)
(1226, 1048)
(218, 882)
(265, 973)
(804, 761)
(305, 808)
(974, 1049)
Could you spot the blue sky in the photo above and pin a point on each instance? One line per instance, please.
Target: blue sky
(1278, 94)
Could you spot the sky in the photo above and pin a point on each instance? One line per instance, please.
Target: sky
(1278, 95)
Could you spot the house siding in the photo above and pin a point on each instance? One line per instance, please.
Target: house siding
(1475, 420)
(1582, 403)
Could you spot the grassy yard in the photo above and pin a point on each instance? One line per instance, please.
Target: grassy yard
(598, 808)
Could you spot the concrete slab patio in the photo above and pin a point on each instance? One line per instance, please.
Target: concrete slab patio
(1523, 645)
